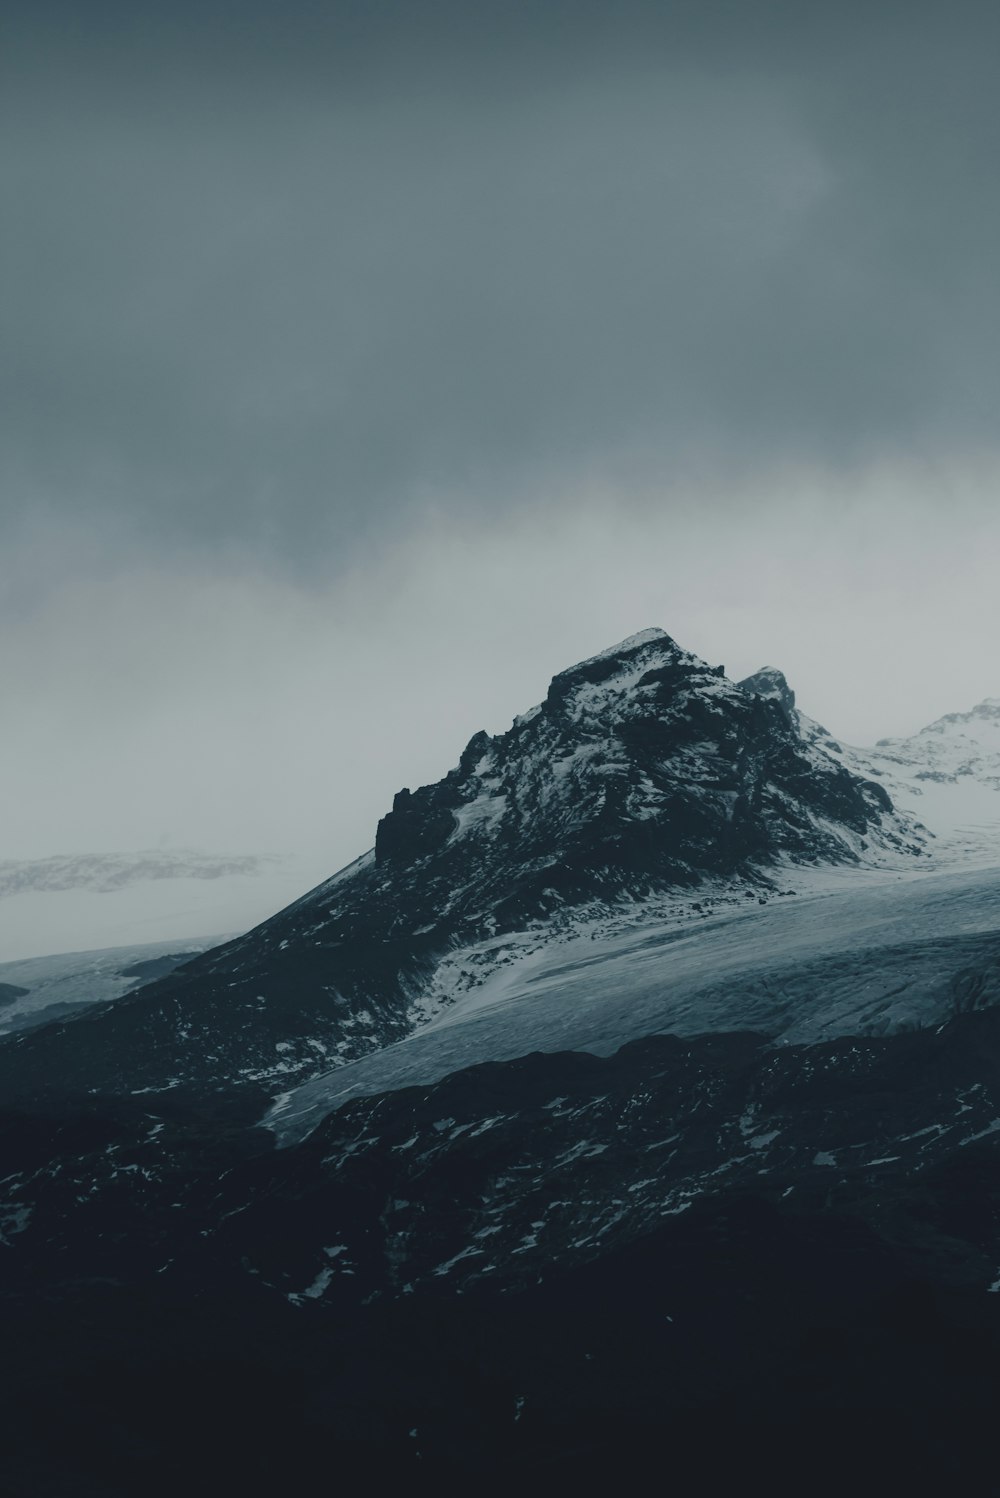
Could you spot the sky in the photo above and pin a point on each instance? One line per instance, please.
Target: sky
(364, 364)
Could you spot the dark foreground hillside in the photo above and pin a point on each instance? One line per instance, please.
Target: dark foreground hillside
(739, 1340)
(810, 1318)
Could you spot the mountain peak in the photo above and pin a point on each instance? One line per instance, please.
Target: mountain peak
(643, 767)
(771, 684)
(986, 712)
(616, 671)
(630, 644)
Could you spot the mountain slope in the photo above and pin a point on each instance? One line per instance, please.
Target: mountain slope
(532, 1267)
(447, 1181)
(643, 771)
(869, 956)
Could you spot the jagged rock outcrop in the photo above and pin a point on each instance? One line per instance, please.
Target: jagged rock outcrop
(772, 685)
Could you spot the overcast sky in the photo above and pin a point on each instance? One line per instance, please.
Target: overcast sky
(366, 363)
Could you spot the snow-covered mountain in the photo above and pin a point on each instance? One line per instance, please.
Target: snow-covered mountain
(644, 775)
(638, 1108)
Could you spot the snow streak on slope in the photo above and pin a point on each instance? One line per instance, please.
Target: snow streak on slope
(881, 954)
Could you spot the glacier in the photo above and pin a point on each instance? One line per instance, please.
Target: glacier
(856, 952)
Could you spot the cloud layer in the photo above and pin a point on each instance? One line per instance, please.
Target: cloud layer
(289, 278)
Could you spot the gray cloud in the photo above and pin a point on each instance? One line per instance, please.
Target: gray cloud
(283, 280)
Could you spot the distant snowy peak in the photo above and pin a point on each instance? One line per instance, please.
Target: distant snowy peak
(946, 777)
(956, 748)
(976, 732)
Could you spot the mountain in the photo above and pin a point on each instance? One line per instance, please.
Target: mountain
(645, 772)
(638, 1110)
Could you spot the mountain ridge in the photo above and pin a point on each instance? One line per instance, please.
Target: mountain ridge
(644, 769)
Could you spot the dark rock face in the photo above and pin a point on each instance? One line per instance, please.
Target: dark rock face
(643, 770)
(641, 766)
(772, 686)
(10, 993)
